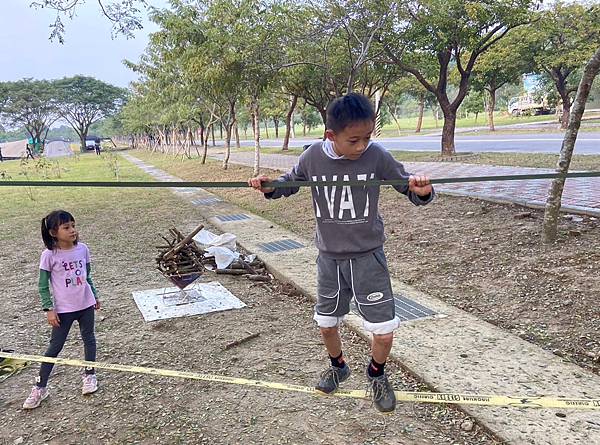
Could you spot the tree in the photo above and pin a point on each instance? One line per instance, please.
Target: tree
(553, 202)
(170, 89)
(427, 38)
(473, 103)
(124, 15)
(332, 50)
(30, 104)
(563, 40)
(275, 107)
(289, 121)
(503, 65)
(309, 118)
(81, 101)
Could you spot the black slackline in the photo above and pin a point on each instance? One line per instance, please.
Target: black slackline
(289, 184)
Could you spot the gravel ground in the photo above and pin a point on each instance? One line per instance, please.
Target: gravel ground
(144, 409)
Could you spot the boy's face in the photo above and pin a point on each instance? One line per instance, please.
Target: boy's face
(353, 140)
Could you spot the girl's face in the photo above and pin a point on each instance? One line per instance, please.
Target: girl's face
(66, 234)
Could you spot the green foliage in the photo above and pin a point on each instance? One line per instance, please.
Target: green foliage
(124, 15)
(81, 101)
(561, 42)
(29, 104)
(504, 63)
(112, 163)
(63, 132)
(473, 103)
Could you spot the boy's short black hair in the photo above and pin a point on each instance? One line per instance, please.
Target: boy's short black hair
(347, 110)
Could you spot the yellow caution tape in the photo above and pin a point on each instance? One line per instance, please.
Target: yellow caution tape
(405, 396)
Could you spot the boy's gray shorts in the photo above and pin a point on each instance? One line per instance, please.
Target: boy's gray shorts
(366, 280)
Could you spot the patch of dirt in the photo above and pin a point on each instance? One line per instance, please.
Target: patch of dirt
(488, 259)
(485, 258)
(144, 409)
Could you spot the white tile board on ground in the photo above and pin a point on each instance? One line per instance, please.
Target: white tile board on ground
(199, 298)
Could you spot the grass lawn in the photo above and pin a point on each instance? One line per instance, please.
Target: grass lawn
(408, 124)
(540, 160)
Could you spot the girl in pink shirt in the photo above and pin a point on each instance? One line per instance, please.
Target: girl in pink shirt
(68, 295)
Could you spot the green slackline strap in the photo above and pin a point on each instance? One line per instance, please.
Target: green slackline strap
(240, 184)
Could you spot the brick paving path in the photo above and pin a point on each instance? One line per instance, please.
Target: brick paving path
(581, 195)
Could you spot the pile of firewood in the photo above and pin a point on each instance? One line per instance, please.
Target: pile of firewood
(182, 261)
(181, 258)
(254, 270)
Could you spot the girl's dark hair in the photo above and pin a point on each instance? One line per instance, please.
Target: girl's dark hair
(52, 222)
(347, 110)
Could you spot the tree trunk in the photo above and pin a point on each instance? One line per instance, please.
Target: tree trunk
(276, 124)
(256, 125)
(227, 153)
(323, 113)
(266, 122)
(560, 82)
(491, 106)
(289, 118)
(237, 136)
(82, 142)
(395, 120)
(191, 142)
(448, 148)
(228, 130)
(293, 126)
(566, 111)
(83, 134)
(421, 111)
(212, 131)
(553, 203)
(205, 148)
(221, 130)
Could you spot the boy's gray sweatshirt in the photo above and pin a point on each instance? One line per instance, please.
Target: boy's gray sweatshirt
(348, 220)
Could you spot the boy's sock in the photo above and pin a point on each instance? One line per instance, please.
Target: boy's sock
(338, 361)
(375, 369)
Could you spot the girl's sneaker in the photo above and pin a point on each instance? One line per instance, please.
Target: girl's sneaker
(35, 398)
(90, 384)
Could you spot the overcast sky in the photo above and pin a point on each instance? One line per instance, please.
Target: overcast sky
(25, 50)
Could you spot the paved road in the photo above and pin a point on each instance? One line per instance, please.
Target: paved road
(587, 143)
(581, 195)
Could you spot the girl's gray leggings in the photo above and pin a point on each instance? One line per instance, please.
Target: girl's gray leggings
(85, 318)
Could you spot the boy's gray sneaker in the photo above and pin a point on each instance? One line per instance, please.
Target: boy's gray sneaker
(384, 397)
(331, 378)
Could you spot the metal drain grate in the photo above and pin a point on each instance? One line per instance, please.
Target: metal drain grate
(205, 201)
(406, 309)
(281, 245)
(236, 217)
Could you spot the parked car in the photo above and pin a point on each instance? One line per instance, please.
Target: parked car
(91, 142)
